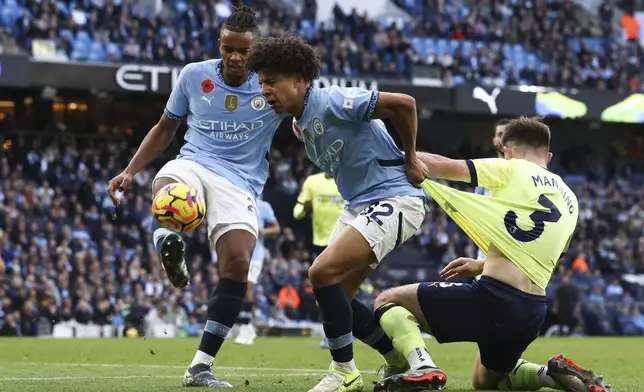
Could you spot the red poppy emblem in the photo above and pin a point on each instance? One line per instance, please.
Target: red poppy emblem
(207, 86)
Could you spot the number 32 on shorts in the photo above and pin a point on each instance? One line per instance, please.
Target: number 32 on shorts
(378, 210)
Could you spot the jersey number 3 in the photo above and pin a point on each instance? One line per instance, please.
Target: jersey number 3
(537, 217)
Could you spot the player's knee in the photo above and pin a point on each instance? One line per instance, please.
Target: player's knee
(161, 182)
(234, 265)
(386, 297)
(321, 275)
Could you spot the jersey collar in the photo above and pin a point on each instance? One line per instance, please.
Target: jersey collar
(309, 89)
(218, 69)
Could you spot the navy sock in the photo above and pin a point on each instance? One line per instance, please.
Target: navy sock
(246, 315)
(337, 316)
(158, 234)
(224, 307)
(367, 330)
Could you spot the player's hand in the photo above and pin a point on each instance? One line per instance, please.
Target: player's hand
(462, 268)
(417, 171)
(120, 183)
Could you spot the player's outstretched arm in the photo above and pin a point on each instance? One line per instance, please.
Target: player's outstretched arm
(445, 168)
(154, 143)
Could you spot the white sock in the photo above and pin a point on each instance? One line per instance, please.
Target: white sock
(159, 234)
(202, 357)
(347, 367)
(420, 358)
(547, 381)
(392, 357)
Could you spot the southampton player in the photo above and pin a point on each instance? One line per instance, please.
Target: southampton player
(321, 199)
(343, 137)
(499, 129)
(525, 225)
(230, 128)
(267, 227)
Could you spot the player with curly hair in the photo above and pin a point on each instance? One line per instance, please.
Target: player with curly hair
(344, 136)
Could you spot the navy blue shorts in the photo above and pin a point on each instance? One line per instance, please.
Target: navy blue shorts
(501, 319)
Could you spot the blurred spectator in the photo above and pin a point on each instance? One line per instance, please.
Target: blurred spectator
(567, 305)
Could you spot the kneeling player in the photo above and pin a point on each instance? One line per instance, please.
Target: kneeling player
(342, 137)
(524, 227)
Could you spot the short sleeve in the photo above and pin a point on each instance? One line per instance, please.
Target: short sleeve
(352, 104)
(306, 194)
(177, 106)
(491, 173)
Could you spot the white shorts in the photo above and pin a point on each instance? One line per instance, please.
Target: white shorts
(227, 206)
(385, 224)
(254, 269)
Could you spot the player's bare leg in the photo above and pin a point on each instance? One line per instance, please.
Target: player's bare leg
(170, 245)
(234, 249)
(400, 315)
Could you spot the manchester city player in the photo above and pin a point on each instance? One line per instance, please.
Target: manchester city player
(343, 136)
(230, 128)
(524, 226)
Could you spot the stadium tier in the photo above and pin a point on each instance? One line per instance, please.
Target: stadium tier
(510, 42)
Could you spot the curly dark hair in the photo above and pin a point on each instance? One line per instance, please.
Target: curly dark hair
(288, 54)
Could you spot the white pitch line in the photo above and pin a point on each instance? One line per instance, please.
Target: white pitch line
(150, 366)
(73, 378)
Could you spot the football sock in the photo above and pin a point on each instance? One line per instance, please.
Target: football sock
(246, 314)
(158, 234)
(337, 319)
(401, 325)
(528, 376)
(370, 333)
(224, 307)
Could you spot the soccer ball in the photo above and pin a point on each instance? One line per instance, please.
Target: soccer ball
(179, 208)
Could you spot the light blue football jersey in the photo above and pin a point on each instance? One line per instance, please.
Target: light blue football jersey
(230, 129)
(341, 138)
(265, 217)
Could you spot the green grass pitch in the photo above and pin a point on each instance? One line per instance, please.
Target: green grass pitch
(271, 365)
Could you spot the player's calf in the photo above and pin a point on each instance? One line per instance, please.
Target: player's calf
(234, 249)
(370, 333)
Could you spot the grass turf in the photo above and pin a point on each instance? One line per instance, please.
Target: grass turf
(271, 365)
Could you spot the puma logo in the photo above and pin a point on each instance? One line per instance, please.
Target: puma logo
(490, 99)
(207, 100)
(420, 355)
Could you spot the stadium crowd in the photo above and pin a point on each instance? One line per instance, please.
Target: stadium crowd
(549, 43)
(67, 254)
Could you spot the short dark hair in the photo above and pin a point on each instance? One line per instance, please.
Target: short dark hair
(288, 54)
(501, 122)
(242, 20)
(527, 132)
